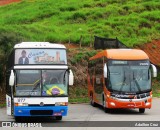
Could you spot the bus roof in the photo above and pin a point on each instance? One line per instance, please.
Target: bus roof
(38, 45)
(122, 54)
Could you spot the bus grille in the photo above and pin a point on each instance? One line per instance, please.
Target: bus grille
(41, 112)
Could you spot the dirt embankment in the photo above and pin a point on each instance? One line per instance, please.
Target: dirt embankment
(80, 74)
(5, 2)
(153, 51)
(80, 71)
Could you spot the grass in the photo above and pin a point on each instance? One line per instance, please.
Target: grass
(133, 22)
(84, 55)
(3, 105)
(78, 94)
(156, 86)
(156, 95)
(79, 100)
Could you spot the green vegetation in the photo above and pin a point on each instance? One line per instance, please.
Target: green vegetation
(82, 55)
(79, 100)
(156, 86)
(2, 105)
(78, 95)
(156, 89)
(133, 22)
(7, 40)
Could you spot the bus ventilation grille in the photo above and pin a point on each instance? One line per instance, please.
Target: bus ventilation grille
(41, 112)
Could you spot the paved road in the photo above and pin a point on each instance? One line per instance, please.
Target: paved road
(85, 112)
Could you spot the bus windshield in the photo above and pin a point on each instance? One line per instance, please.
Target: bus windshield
(129, 76)
(41, 82)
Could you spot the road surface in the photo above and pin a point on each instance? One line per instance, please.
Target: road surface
(85, 113)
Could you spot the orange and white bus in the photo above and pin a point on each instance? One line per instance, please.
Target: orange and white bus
(121, 78)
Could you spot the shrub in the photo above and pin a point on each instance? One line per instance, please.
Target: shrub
(157, 26)
(78, 15)
(68, 8)
(7, 40)
(144, 23)
(87, 5)
(82, 55)
(144, 31)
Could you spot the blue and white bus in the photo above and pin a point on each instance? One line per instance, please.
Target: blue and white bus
(37, 80)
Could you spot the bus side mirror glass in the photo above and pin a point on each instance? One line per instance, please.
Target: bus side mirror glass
(71, 77)
(105, 70)
(154, 70)
(11, 78)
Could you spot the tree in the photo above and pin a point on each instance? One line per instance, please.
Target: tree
(7, 41)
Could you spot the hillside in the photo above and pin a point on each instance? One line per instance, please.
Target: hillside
(153, 51)
(5, 2)
(133, 22)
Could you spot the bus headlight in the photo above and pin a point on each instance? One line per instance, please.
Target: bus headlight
(21, 104)
(61, 104)
(108, 95)
(148, 103)
(113, 104)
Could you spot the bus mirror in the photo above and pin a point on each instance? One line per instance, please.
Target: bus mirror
(154, 70)
(105, 70)
(11, 78)
(71, 77)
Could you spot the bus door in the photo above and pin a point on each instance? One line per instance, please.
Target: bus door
(98, 83)
(9, 94)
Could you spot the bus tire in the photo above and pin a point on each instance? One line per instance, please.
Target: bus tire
(141, 110)
(106, 110)
(18, 119)
(92, 101)
(58, 118)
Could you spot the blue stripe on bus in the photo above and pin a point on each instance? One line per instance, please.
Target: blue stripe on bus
(25, 110)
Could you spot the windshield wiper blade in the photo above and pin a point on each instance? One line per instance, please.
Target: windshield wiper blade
(148, 75)
(123, 81)
(109, 81)
(137, 85)
(35, 86)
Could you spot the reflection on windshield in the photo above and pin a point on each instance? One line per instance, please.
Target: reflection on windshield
(129, 78)
(41, 82)
(28, 82)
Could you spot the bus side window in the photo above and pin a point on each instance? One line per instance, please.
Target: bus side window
(91, 66)
(99, 76)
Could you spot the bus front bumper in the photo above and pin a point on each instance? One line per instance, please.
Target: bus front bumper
(118, 103)
(40, 111)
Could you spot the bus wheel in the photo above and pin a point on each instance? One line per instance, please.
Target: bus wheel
(92, 101)
(18, 119)
(59, 118)
(106, 110)
(141, 110)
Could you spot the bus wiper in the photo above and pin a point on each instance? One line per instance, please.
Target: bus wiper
(109, 84)
(37, 83)
(123, 81)
(137, 85)
(148, 75)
